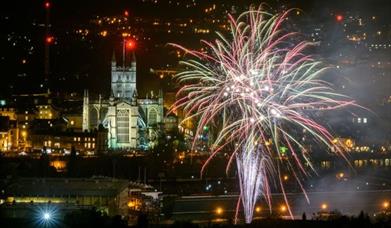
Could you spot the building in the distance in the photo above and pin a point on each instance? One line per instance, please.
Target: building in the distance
(22, 197)
(132, 122)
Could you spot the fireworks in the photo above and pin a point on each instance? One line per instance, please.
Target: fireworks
(259, 90)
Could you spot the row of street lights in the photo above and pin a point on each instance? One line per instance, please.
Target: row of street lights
(283, 208)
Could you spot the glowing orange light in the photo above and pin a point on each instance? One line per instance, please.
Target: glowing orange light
(386, 205)
(126, 13)
(258, 209)
(49, 39)
(283, 208)
(130, 44)
(219, 211)
(131, 204)
(339, 18)
(47, 5)
(324, 206)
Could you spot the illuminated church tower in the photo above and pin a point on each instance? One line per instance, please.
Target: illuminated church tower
(123, 79)
(132, 122)
(122, 112)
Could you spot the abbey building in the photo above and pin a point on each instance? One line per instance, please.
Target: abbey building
(132, 122)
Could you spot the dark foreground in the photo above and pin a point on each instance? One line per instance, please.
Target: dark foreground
(343, 222)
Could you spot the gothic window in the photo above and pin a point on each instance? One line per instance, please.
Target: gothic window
(152, 117)
(123, 125)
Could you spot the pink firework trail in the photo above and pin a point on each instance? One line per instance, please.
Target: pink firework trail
(258, 89)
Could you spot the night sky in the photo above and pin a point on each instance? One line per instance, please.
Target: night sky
(77, 64)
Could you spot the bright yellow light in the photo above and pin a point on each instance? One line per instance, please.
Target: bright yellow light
(219, 211)
(324, 206)
(131, 204)
(258, 209)
(103, 33)
(283, 208)
(341, 175)
(349, 143)
(286, 177)
(24, 133)
(386, 204)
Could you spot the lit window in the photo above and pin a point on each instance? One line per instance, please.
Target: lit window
(364, 120)
(358, 120)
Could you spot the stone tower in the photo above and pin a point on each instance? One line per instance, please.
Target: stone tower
(123, 79)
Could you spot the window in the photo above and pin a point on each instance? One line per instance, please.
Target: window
(123, 117)
(364, 120)
(152, 117)
(358, 120)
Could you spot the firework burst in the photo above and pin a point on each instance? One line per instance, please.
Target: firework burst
(260, 90)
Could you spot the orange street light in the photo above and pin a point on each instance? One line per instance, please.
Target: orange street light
(386, 205)
(283, 208)
(219, 211)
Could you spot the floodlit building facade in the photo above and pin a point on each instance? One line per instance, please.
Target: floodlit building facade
(132, 122)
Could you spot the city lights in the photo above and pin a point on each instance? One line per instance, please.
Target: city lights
(220, 113)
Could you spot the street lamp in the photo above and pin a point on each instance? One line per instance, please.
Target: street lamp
(219, 211)
(46, 216)
(283, 208)
(324, 206)
(386, 205)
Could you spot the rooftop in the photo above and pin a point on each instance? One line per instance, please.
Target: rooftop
(100, 186)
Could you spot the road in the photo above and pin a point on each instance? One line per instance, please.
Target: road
(193, 208)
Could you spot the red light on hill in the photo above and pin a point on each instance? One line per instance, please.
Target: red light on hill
(126, 13)
(49, 39)
(130, 44)
(47, 5)
(339, 17)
